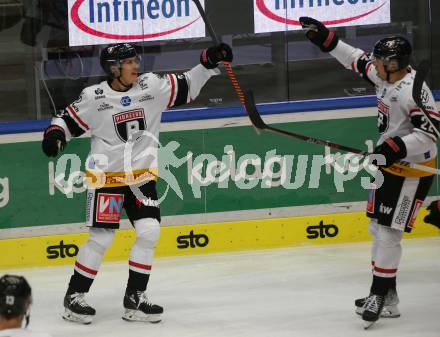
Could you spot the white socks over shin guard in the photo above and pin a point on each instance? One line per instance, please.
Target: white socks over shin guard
(386, 250)
(142, 252)
(373, 228)
(90, 254)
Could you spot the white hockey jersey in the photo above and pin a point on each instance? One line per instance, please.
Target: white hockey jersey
(398, 114)
(124, 126)
(20, 332)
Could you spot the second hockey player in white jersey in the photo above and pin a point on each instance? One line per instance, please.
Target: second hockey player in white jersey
(405, 134)
(123, 116)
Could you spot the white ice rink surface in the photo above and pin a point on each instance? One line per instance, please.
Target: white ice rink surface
(306, 291)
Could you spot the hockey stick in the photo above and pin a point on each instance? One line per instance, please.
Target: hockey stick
(421, 74)
(258, 122)
(216, 40)
(207, 22)
(247, 99)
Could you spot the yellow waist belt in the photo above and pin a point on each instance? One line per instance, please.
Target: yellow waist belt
(404, 171)
(98, 179)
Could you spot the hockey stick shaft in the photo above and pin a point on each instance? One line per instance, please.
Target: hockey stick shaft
(248, 101)
(215, 38)
(207, 22)
(235, 83)
(258, 122)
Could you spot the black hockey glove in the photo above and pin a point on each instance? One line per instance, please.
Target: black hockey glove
(392, 149)
(211, 57)
(54, 140)
(433, 217)
(319, 34)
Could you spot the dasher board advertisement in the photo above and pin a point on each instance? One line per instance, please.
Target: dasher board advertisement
(282, 15)
(93, 22)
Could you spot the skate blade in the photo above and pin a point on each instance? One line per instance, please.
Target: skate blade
(139, 316)
(391, 312)
(359, 311)
(77, 318)
(368, 324)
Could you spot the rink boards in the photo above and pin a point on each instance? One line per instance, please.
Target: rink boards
(274, 208)
(205, 238)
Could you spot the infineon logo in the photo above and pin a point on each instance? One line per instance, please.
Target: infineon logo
(279, 15)
(108, 21)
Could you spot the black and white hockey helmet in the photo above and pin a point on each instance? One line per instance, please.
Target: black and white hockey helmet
(393, 48)
(15, 296)
(115, 54)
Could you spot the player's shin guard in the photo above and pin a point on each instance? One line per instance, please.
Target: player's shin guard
(87, 264)
(136, 304)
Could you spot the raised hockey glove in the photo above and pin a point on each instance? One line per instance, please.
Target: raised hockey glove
(392, 149)
(211, 57)
(54, 140)
(433, 217)
(325, 39)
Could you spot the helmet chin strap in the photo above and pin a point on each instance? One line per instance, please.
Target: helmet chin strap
(118, 78)
(389, 72)
(26, 319)
(123, 84)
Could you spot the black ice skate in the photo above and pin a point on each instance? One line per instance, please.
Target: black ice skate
(390, 308)
(77, 310)
(372, 308)
(137, 308)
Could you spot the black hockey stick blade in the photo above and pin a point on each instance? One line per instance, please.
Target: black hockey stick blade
(421, 74)
(251, 108)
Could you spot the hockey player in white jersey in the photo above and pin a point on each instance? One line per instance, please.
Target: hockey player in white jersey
(433, 217)
(15, 302)
(405, 134)
(124, 110)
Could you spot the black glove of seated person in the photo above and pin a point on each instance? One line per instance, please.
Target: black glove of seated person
(211, 57)
(53, 141)
(433, 217)
(319, 34)
(392, 149)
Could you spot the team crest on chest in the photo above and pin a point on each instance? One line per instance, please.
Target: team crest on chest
(128, 123)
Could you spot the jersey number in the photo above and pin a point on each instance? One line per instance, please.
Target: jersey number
(426, 126)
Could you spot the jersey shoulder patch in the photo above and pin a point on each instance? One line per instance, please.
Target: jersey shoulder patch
(144, 81)
(96, 91)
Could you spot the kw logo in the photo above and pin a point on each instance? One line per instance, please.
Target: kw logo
(192, 240)
(322, 231)
(385, 209)
(62, 250)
